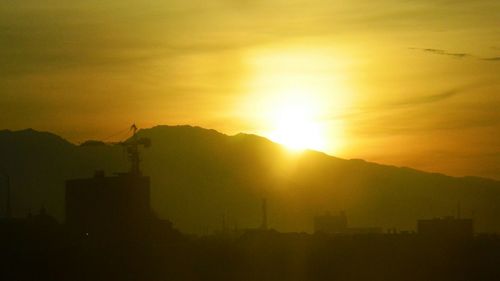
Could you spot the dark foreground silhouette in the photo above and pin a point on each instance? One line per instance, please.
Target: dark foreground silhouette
(38, 248)
(111, 233)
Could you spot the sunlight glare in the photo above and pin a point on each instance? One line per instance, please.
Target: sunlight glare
(294, 126)
(295, 94)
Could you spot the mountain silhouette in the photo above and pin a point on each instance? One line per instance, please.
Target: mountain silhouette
(199, 176)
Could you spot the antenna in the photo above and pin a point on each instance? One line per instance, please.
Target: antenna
(8, 210)
(8, 207)
(224, 223)
(264, 214)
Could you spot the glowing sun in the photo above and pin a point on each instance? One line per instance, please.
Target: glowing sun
(294, 125)
(294, 96)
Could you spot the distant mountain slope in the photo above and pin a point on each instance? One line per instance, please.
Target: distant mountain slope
(199, 175)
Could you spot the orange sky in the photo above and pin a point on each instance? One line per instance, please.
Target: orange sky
(413, 83)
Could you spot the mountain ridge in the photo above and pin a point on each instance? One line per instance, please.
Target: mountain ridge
(200, 174)
(27, 131)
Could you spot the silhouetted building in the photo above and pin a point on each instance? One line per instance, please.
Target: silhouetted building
(447, 227)
(328, 223)
(105, 205)
(41, 225)
(363, 230)
(42, 219)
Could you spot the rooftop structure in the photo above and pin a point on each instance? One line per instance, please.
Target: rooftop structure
(328, 223)
(447, 227)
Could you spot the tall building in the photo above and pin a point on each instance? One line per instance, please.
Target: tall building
(104, 205)
(117, 205)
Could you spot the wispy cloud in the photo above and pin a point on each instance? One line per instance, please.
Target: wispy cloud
(446, 53)
(406, 105)
(431, 98)
(456, 55)
(492, 59)
(437, 97)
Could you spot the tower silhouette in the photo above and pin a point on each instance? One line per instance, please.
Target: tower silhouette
(264, 214)
(8, 208)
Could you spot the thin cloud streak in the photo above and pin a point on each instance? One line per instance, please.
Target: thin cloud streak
(456, 55)
(440, 96)
(443, 52)
(492, 59)
(418, 101)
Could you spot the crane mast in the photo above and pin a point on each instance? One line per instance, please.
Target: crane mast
(132, 147)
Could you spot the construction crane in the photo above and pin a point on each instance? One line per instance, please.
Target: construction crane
(132, 147)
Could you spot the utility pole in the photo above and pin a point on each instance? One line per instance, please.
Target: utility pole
(8, 209)
(264, 214)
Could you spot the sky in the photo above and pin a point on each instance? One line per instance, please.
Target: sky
(407, 83)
